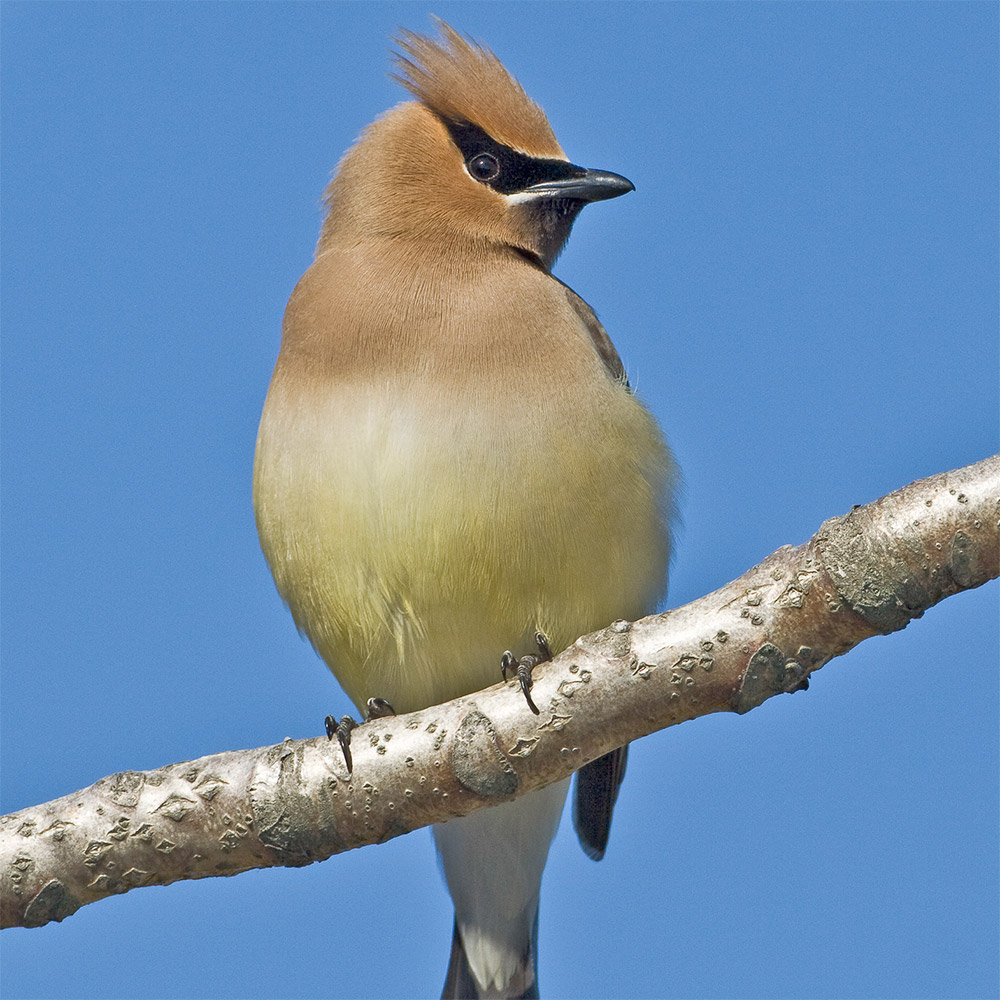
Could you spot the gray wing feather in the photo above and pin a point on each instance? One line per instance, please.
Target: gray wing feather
(598, 336)
(597, 785)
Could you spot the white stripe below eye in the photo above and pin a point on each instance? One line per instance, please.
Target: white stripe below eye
(520, 197)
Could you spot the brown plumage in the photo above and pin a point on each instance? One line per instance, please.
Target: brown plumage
(449, 457)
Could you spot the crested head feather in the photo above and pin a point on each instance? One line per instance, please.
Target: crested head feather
(463, 81)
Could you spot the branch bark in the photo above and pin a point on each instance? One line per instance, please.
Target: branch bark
(867, 573)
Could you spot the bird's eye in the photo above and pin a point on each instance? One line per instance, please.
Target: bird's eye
(484, 167)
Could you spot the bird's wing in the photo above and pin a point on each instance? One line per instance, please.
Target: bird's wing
(597, 785)
(598, 782)
(598, 335)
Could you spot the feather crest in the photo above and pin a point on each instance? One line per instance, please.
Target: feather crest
(464, 81)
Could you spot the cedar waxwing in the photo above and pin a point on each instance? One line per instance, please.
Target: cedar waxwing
(450, 460)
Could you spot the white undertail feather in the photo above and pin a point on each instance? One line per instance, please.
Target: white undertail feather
(493, 861)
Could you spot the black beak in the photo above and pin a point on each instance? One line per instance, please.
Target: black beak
(588, 185)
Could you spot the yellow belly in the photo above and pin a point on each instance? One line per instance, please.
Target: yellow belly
(415, 540)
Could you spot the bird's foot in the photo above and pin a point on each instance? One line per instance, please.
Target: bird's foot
(522, 667)
(342, 730)
(378, 708)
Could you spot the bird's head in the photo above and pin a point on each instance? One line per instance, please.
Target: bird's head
(472, 161)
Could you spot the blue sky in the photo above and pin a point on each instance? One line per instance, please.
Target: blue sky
(804, 290)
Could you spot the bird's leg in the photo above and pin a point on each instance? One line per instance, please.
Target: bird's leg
(378, 708)
(342, 730)
(522, 666)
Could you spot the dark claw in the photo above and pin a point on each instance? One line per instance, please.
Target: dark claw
(523, 666)
(542, 641)
(379, 708)
(342, 730)
(507, 662)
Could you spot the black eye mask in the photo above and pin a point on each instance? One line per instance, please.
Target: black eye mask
(502, 168)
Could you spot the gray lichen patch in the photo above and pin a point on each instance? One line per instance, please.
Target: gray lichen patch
(479, 763)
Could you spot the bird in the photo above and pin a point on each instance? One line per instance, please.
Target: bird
(452, 473)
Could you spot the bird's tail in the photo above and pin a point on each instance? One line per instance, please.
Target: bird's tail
(460, 983)
(493, 861)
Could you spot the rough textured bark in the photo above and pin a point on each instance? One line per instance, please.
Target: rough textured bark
(869, 572)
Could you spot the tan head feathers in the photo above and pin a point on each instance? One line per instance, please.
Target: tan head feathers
(463, 81)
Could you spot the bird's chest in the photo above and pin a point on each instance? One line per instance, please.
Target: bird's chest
(478, 470)
(408, 529)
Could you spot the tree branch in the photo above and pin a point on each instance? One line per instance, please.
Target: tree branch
(868, 573)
